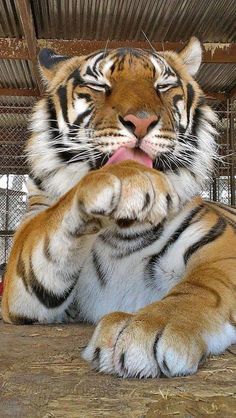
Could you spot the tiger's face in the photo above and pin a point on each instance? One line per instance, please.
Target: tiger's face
(125, 104)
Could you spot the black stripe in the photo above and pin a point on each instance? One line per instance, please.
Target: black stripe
(215, 232)
(21, 320)
(85, 96)
(176, 99)
(224, 207)
(77, 79)
(190, 100)
(147, 201)
(152, 233)
(125, 245)
(101, 274)
(37, 181)
(64, 155)
(91, 73)
(165, 163)
(81, 117)
(52, 117)
(169, 201)
(216, 208)
(169, 72)
(100, 161)
(112, 69)
(230, 222)
(47, 298)
(100, 58)
(62, 94)
(150, 269)
(91, 55)
(193, 135)
(121, 63)
(21, 271)
(197, 120)
(96, 355)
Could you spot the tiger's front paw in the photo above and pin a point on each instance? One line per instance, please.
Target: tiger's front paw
(143, 345)
(126, 191)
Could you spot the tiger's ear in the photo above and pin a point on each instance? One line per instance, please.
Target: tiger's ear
(191, 55)
(49, 62)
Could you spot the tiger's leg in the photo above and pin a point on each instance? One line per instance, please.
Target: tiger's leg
(50, 248)
(44, 264)
(172, 336)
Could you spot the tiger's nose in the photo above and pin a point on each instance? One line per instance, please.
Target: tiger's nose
(139, 125)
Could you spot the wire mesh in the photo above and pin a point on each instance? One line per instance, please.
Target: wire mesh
(222, 187)
(15, 113)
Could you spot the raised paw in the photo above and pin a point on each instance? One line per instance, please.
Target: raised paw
(126, 191)
(143, 345)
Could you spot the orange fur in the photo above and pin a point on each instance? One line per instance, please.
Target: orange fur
(204, 299)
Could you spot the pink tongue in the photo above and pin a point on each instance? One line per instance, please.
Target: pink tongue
(123, 154)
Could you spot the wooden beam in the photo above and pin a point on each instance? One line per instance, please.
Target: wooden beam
(221, 97)
(26, 17)
(19, 92)
(12, 48)
(232, 93)
(221, 53)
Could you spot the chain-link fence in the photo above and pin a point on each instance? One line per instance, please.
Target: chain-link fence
(14, 114)
(13, 170)
(222, 188)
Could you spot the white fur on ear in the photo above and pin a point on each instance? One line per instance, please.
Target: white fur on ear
(192, 55)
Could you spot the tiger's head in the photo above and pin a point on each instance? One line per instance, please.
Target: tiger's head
(121, 104)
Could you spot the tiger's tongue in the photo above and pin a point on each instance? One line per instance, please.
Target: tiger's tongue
(123, 154)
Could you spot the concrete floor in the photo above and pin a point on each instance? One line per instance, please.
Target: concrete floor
(43, 375)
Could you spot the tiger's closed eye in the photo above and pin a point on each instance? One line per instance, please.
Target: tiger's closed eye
(164, 87)
(99, 87)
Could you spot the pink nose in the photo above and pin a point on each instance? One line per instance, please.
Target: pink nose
(140, 125)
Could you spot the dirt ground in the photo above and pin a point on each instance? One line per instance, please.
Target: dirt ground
(43, 375)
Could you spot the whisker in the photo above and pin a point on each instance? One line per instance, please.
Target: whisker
(148, 41)
(105, 50)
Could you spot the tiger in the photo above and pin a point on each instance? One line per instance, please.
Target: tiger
(117, 233)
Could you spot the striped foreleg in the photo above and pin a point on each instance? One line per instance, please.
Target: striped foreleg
(45, 261)
(49, 250)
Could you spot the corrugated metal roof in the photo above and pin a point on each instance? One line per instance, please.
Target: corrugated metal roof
(16, 74)
(161, 20)
(217, 77)
(168, 20)
(10, 25)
